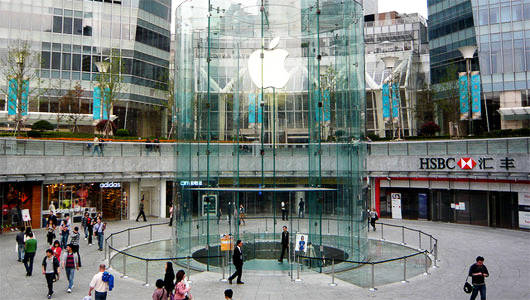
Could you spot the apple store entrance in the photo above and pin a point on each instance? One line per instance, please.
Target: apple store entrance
(269, 117)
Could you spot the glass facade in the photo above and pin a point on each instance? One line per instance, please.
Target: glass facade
(252, 81)
(73, 36)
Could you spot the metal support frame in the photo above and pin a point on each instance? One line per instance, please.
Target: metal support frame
(333, 273)
(403, 236)
(189, 270)
(124, 275)
(426, 264)
(404, 271)
(373, 288)
(146, 273)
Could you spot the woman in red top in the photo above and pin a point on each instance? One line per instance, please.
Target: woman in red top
(181, 288)
(57, 250)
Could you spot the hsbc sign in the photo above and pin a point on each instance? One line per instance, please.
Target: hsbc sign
(465, 163)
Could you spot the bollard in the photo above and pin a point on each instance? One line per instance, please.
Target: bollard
(402, 235)
(189, 272)
(404, 271)
(151, 232)
(426, 264)
(419, 240)
(373, 288)
(223, 269)
(298, 271)
(124, 275)
(128, 237)
(332, 273)
(382, 238)
(146, 273)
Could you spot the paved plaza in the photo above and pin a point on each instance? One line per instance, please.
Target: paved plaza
(505, 251)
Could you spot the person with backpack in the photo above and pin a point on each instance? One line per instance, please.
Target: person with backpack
(373, 217)
(69, 263)
(84, 224)
(160, 292)
(99, 231)
(74, 242)
(50, 269)
(100, 286)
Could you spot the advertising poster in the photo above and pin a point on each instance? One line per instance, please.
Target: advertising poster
(26, 217)
(524, 210)
(475, 95)
(464, 100)
(386, 102)
(301, 243)
(396, 205)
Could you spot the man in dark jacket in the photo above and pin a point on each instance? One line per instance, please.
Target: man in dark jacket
(478, 272)
(237, 259)
(21, 245)
(141, 213)
(50, 269)
(285, 243)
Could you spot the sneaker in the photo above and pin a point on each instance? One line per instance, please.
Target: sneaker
(69, 290)
(85, 239)
(49, 296)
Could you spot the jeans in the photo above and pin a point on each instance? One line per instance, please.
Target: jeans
(20, 252)
(476, 289)
(86, 231)
(300, 213)
(285, 215)
(49, 281)
(97, 150)
(28, 257)
(64, 239)
(70, 272)
(100, 296)
(100, 240)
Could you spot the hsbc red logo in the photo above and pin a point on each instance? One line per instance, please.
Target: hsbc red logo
(466, 163)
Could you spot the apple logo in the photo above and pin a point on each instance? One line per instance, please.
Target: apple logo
(274, 73)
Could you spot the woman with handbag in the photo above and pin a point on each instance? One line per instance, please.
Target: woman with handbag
(160, 293)
(182, 287)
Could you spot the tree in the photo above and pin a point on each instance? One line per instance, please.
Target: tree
(170, 104)
(20, 69)
(110, 81)
(70, 104)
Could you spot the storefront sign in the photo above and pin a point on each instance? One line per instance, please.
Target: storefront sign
(191, 183)
(396, 205)
(26, 217)
(109, 185)
(466, 163)
(524, 210)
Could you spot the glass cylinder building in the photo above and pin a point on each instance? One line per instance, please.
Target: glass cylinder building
(270, 102)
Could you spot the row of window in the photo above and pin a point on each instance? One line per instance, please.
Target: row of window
(87, 63)
(503, 14)
(68, 25)
(458, 24)
(151, 38)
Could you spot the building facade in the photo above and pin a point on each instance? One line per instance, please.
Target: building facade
(500, 30)
(403, 36)
(70, 36)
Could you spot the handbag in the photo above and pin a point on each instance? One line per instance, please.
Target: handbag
(468, 288)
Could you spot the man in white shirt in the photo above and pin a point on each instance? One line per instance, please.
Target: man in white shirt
(101, 287)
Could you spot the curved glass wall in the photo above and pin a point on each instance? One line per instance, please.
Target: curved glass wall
(270, 112)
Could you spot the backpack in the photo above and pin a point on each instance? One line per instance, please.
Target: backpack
(107, 277)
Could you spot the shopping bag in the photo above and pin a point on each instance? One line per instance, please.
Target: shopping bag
(87, 298)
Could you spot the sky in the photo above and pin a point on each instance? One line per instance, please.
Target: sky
(404, 6)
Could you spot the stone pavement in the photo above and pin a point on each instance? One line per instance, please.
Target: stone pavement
(506, 253)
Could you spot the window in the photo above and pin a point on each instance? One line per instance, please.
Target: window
(76, 62)
(78, 26)
(518, 55)
(56, 60)
(494, 15)
(57, 24)
(517, 13)
(45, 60)
(507, 56)
(67, 25)
(86, 63)
(527, 11)
(66, 61)
(505, 14)
(483, 17)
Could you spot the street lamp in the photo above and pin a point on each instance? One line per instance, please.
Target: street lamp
(390, 63)
(468, 52)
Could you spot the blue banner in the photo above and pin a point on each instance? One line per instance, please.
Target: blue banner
(326, 106)
(395, 102)
(386, 102)
(106, 104)
(96, 107)
(260, 109)
(251, 108)
(464, 100)
(475, 95)
(12, 98)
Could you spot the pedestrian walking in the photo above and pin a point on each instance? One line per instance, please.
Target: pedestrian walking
(182, 287)
(84, 224)
(96, 147)
(301, 208)
(373, 217)
(285, 243)
(99, 286)
(285, 214)
(57, 250)
(160, 292)
(228, 294)
(20, 244)
(169, 278)
(65, 231)
(237, 260)
(70, 263)
(171, 211)
(90, 227)
(74, 242)
(50, 232)
(141, 213)
(30, 247)
(99, 231)
(50, 269)
(101, 146)
(478, 272)
(242, 214)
